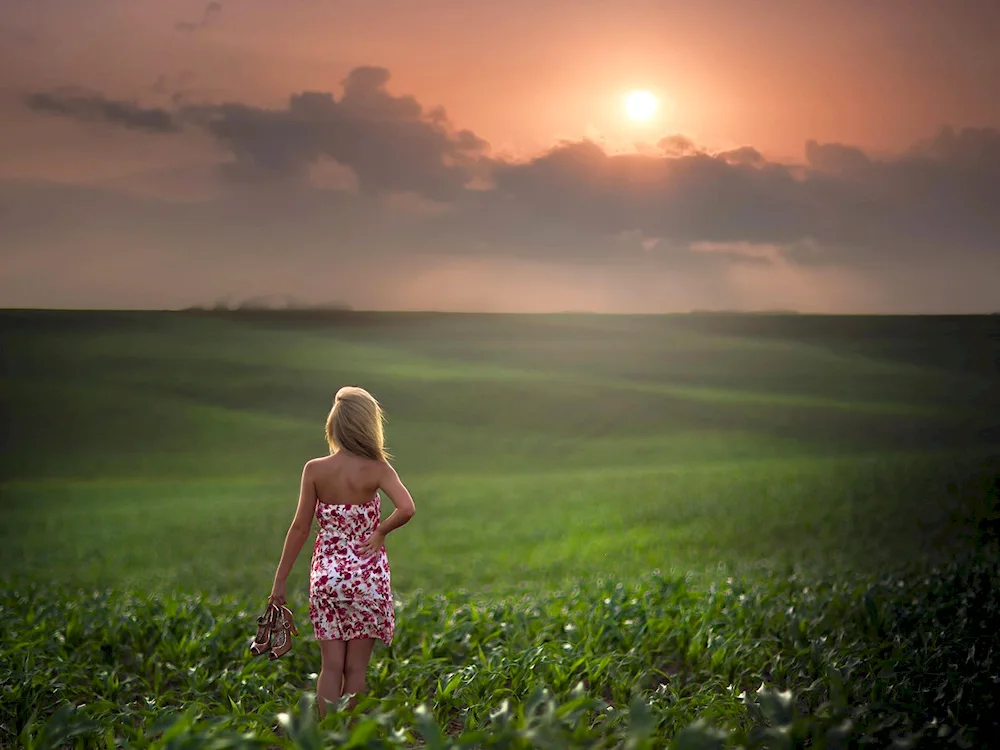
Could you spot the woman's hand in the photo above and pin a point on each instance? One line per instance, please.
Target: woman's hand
(277, 594)
(375, 542)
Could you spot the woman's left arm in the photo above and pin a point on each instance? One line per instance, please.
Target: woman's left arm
(297, 534)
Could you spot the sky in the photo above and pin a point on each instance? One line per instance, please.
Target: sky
(834, 156)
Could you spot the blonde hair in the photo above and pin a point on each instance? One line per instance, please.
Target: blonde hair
(355, 424)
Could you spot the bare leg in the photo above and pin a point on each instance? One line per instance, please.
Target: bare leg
(359, 652)
(330, 683)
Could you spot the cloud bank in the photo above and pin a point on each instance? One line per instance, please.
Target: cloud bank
(372, 173)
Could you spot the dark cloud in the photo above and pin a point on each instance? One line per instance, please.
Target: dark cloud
(976, 148)
(390, 142)
(938, 198)
(932, 202)
(677, 145)
(836, 158)
(96, 108)
(208, 15)
(690, 197)
(746, 155)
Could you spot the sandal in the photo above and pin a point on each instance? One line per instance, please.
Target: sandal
(281, 635)
(266, 625)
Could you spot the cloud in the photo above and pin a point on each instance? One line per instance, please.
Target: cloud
(95, 108)
(390, 143)
(688, 196)
(212, 10)
(679, 204)
(934, 199)
(677, 145)
(746, 155)
(836, 158)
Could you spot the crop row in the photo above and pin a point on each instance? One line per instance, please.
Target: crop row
(776, 661)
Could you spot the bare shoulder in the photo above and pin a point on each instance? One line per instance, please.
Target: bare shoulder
(386, 471)
(313, 464)
(316, 465)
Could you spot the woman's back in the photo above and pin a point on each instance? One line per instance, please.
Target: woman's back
(346, 479)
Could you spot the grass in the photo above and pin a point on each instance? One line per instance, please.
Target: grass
(511, 533)
(838, 474)
(782, 662)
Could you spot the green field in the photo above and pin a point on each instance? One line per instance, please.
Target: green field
(551, 458)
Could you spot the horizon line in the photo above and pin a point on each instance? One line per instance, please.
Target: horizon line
(345, 311)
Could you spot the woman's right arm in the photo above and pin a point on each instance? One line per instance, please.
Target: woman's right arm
(391, 484)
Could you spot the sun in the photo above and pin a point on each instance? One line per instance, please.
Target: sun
(640, 105)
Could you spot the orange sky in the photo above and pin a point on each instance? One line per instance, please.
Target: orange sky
(521, 75)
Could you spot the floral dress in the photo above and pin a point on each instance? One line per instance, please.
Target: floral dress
(350, 596)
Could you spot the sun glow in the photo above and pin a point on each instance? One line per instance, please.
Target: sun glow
(640, 105)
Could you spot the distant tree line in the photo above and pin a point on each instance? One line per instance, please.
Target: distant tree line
(269, 303)
(775, 311)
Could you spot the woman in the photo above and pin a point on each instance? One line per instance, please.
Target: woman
(350, 596)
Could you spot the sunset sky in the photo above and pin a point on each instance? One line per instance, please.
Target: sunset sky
(839, 156)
